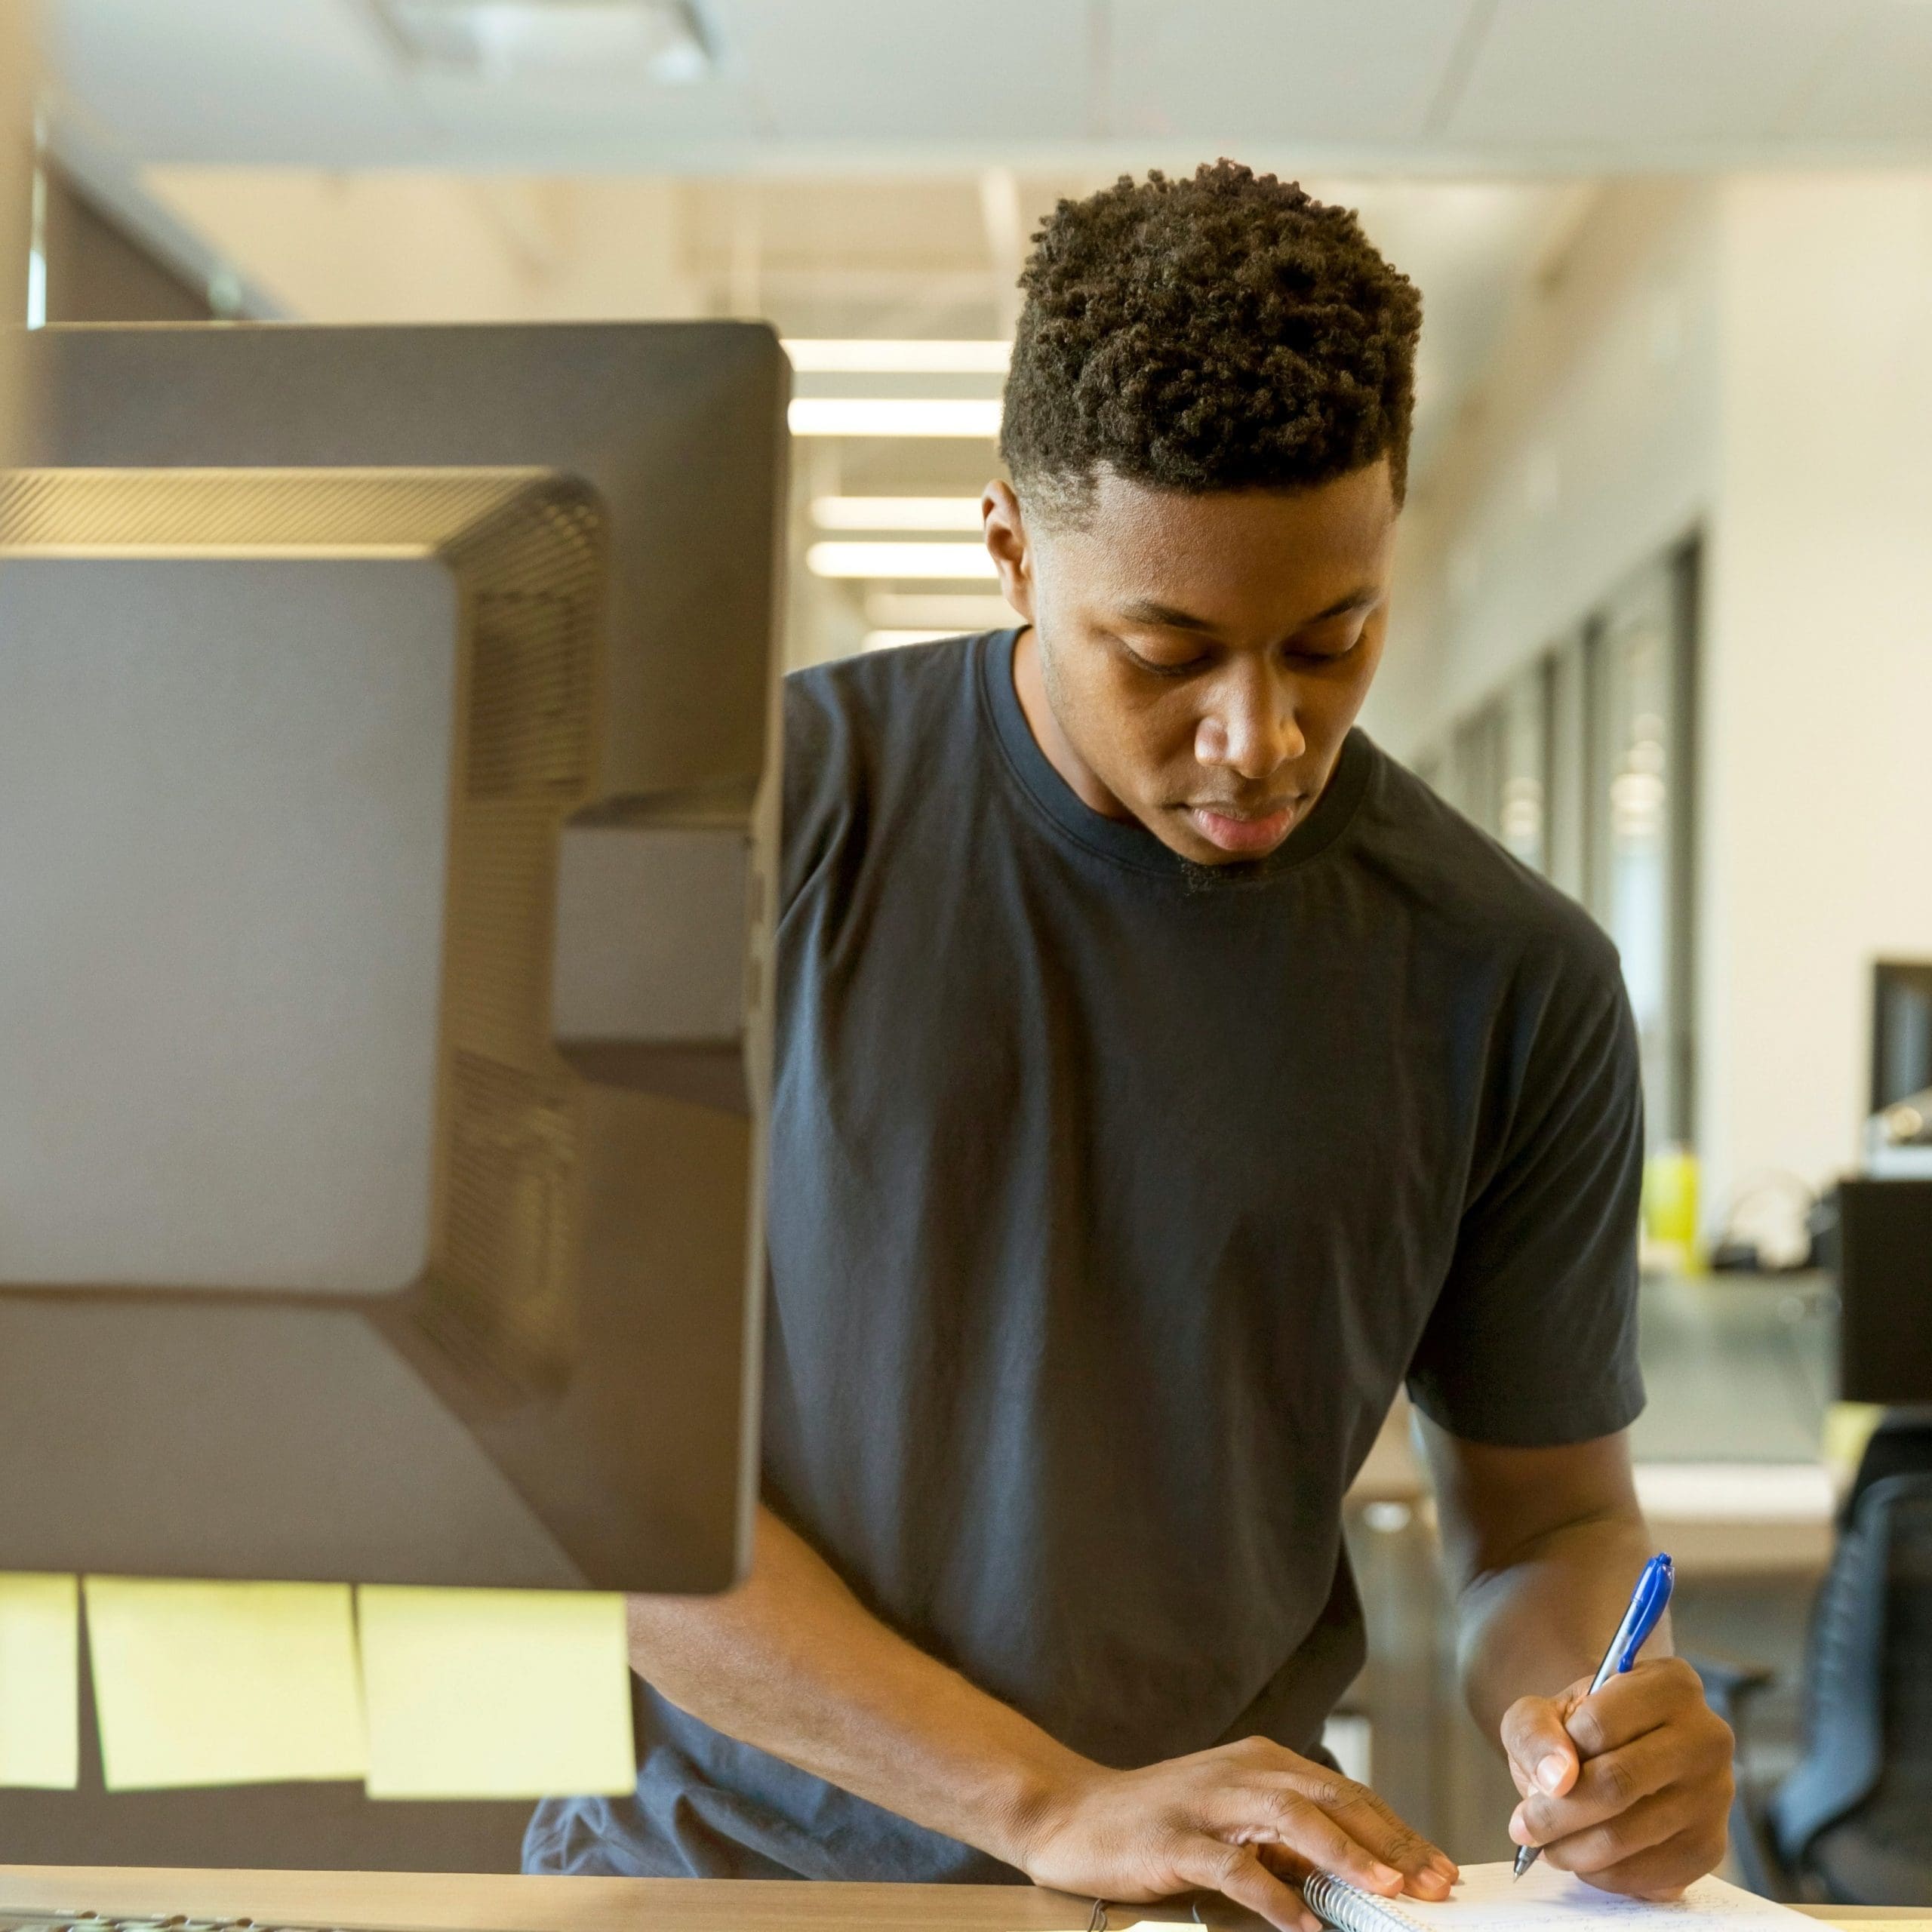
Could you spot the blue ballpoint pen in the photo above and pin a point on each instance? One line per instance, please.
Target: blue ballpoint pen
(1648, 1602)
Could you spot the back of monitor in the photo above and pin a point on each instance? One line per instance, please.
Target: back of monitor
(528, 1176)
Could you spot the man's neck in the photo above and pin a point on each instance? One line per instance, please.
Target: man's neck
(1029, 685)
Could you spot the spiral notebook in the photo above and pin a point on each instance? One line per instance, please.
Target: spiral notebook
(1489, 1900)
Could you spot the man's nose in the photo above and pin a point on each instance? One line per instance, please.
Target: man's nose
(1249, 726)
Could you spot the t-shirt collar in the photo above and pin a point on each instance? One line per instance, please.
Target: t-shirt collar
(1127, 841)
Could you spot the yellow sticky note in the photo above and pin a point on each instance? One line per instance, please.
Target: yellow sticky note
(1848, 1427)
(40, 1682)
(496, 1694)
(215, 1684)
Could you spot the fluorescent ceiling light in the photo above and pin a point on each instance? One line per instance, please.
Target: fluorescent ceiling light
(879, 357)
(900, 560)
(896, 512)
(891, 640)
(894, 416)
(666, 40)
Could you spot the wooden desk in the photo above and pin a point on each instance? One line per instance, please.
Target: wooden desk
(502, 1904)
(1718, 1518)
(596, 1905)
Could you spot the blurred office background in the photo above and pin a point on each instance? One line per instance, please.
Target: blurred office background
(1664, 619)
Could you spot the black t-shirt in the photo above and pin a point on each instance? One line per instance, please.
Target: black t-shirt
(1111, 1205)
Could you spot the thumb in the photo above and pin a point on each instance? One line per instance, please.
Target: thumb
(1542, 1755)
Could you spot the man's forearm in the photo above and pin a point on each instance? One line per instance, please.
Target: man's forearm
(1541, 1548)
(1542, 1621)
(793, 1663)
(1628, 1786)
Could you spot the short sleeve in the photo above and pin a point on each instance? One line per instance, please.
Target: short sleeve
(1533, 1340)
(818, 783)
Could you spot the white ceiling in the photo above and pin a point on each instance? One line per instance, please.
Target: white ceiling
(1409, 86)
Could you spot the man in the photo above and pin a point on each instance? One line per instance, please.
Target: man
(1164, 1077)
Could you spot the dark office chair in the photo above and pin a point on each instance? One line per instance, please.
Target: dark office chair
(1851, 1824)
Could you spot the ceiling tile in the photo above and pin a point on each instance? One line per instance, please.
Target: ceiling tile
(1345, 72)
(1640, 77)
(1877, 86)
(618, 124)
(293, 81)
(316, 83)
(856, 71)
(911, 83)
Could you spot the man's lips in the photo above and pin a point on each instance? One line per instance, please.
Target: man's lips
(1244, 834)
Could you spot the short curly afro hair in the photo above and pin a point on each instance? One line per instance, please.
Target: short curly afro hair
(1227, 332)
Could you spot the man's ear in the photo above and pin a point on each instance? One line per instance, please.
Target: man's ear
(1004, 525)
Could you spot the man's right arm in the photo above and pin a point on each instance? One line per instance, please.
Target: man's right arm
(793, 1663)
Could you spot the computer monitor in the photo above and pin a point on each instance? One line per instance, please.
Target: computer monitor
(1884, 1285)
(1901, 1030)
(387, 828)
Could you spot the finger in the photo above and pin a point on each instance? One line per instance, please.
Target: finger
(1236, 1872)
(1610, 1784)
(1284, 1815)
(1542, 1753)
(1429, 1871)
(1367, 1819)
(1661, 1872)
(1650, 1822)
(1632, 1703)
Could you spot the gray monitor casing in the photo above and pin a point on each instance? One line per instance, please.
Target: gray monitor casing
(610, 501)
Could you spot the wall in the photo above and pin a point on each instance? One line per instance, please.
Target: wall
(403, 247)
(97, 272)
(1818, 675)
(16, 177)
(1591, 444)
(1752, 357)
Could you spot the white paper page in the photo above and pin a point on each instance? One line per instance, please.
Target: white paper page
(1490, 1899)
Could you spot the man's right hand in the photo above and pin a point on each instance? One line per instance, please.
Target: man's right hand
(1242, 1819)
(791, 1662)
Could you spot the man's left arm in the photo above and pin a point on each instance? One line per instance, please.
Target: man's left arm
(1629, 1789)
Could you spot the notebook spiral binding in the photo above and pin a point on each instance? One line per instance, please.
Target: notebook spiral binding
(1338, 1903)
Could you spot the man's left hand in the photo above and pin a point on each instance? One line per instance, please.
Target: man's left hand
(1629, 1789)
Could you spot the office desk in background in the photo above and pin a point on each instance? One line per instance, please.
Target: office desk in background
(1739, 1372)
(432, 1903)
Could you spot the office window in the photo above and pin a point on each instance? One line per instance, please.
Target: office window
(1581, 765)
(1475, 768)
(1523, 747)
(1566, 800)
(1638, 662)
(1496, 773)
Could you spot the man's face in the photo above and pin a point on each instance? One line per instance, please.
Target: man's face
(1201, 657)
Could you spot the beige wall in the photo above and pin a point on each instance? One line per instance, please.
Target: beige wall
(402, 248)
(16, 170)
(1752, 357)
(1818, 673)
(1590, 444)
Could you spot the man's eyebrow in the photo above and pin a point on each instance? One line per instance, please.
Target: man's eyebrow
(1144, 610)
(1356, 600)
